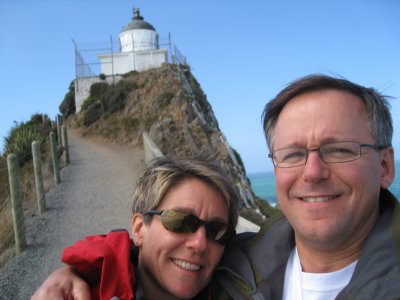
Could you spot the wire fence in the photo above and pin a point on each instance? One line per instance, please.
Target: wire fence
(177, 57)
(23, 186)
(87, 63)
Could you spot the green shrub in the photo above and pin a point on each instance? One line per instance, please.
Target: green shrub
(21, 135)
(37, 118)
(130, 123)
(92, 114)
(239, 159)
(98, 89)
(41, 123)
(20, 141)
(102, 76)
(105, 99)
(114, 99)
(89, 101)
(134, 72)
(67, 106)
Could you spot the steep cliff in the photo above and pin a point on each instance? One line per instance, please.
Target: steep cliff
(169, 104)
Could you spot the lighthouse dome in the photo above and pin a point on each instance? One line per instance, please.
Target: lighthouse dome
(138, 22)
(138, 35)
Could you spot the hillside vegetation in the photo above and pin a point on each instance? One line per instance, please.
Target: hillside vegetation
(19, 141)
(169, 104)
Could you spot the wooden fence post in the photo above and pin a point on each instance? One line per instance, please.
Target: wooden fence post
(59, 131)
(16, 202)
(37, 166)
(65, 144)
(56, 168)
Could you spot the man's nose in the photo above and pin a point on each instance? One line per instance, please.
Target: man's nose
(315, 168)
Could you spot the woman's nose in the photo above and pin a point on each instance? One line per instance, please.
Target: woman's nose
(198, 239)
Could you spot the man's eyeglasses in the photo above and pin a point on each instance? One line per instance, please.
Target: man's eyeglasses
(329, 153)
(182, 222)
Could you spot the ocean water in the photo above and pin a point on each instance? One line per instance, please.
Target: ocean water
(263, 185)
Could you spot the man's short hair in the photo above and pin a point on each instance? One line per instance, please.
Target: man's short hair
(376, 104)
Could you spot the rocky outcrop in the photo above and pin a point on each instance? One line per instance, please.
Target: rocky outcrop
(169, 104)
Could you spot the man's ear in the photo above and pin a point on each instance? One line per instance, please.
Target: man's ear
(137, 229)
(387, 165)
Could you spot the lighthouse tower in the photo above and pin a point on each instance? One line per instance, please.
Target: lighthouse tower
(138, 35)
(139, 49)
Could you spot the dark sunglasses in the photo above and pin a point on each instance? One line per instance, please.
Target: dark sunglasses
(182, 222)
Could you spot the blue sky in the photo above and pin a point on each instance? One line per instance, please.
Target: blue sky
(241, 52)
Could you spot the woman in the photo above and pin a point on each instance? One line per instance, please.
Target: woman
(184, 212)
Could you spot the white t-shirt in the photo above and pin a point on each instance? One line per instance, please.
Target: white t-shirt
(300, 285)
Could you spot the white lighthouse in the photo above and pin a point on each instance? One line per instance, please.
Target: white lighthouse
(138, 35)
(139, 49)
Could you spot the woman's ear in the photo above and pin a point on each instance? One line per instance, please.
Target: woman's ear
(137, 229)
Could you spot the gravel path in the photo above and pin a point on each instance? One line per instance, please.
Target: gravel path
(93, 197)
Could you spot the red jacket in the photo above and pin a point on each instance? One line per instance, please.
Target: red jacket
(104, 262)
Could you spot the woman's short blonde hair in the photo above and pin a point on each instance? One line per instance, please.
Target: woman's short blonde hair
(165, 173)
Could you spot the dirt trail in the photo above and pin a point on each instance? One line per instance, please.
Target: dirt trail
(93, 197)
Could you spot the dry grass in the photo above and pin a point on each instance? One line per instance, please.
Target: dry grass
(29, 202)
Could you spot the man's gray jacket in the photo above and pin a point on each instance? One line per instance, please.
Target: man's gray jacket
(254, 265)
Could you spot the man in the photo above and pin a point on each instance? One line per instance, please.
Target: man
(338, 233)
